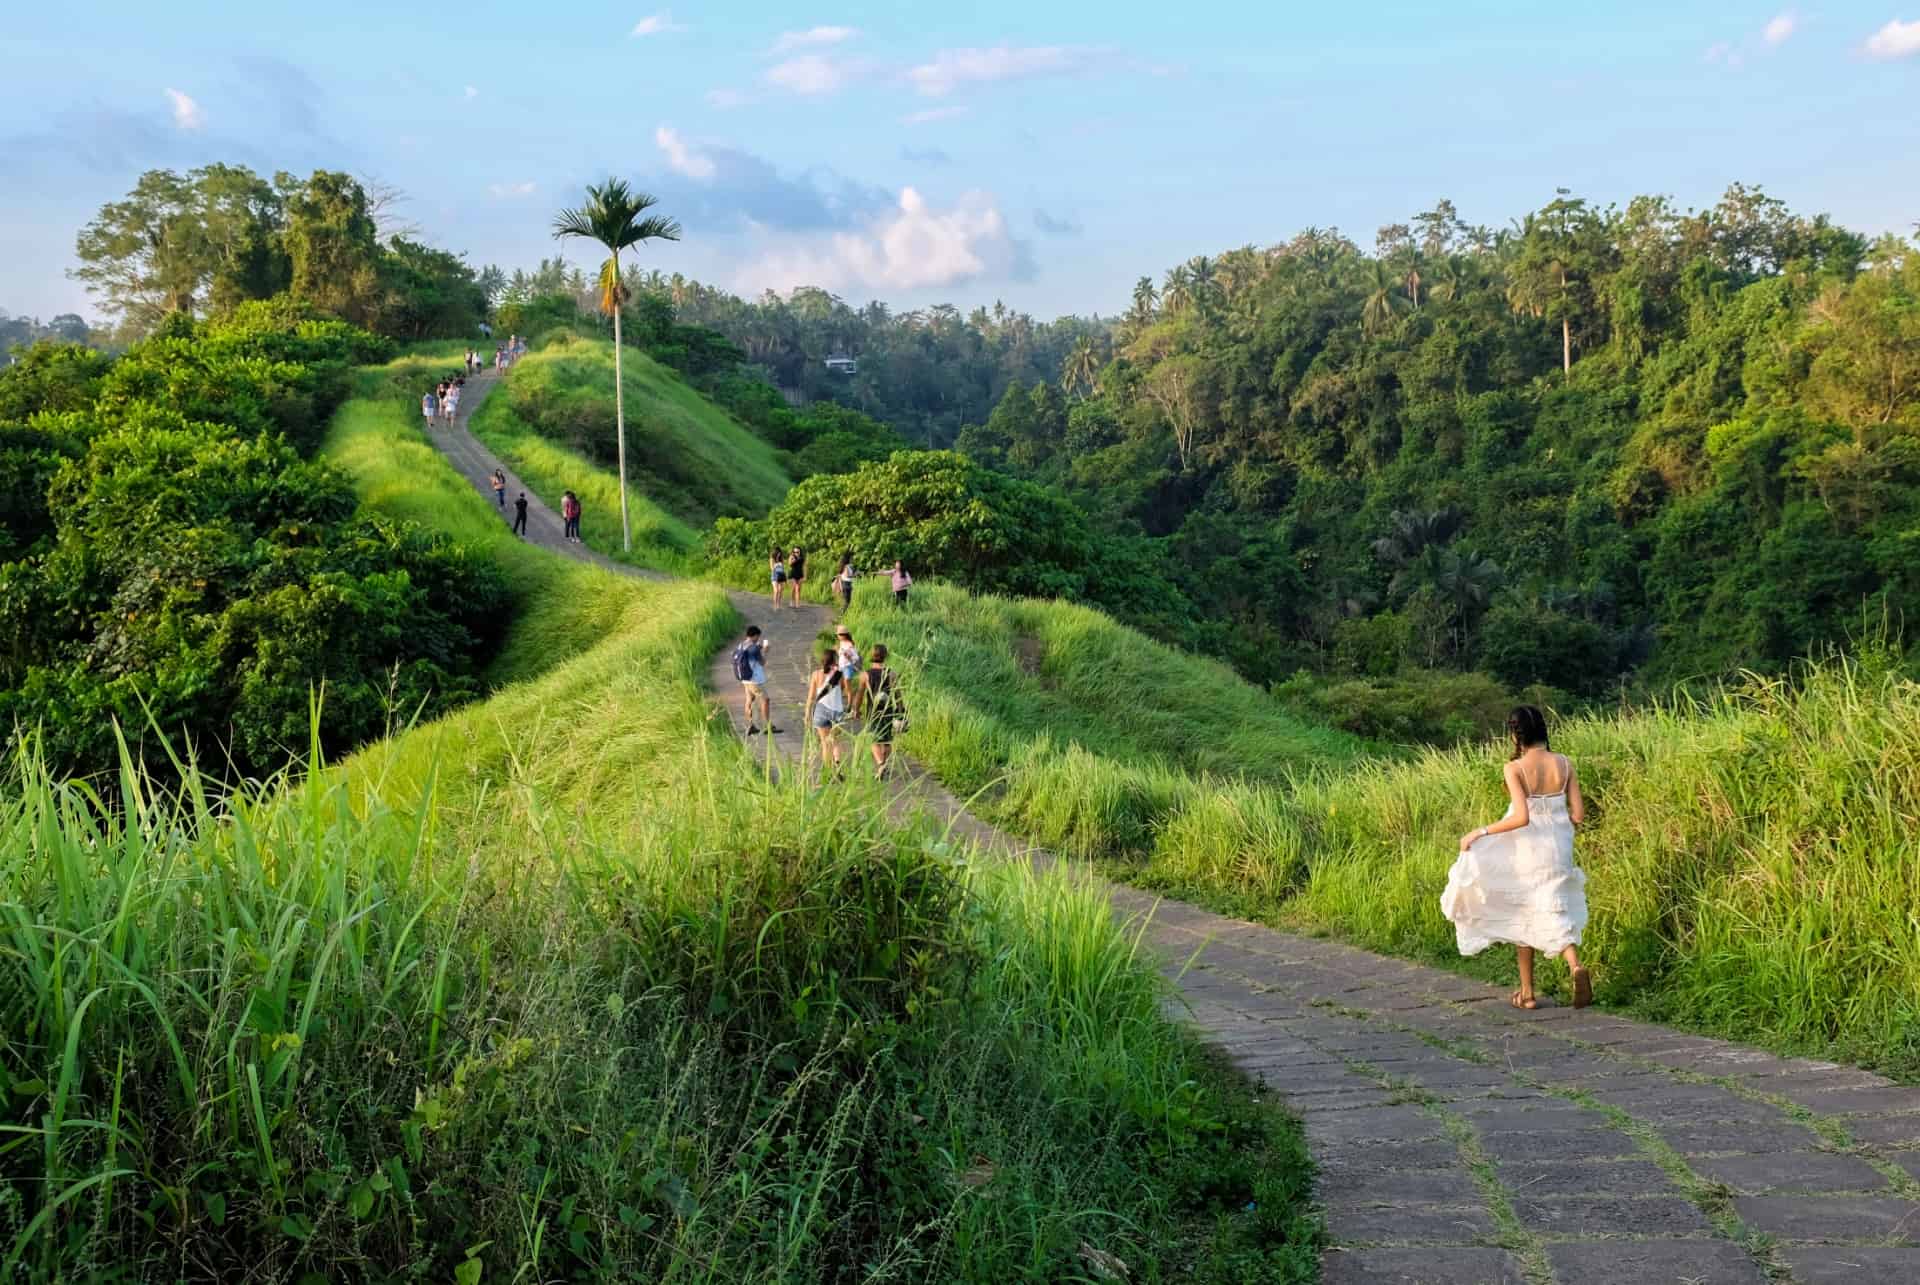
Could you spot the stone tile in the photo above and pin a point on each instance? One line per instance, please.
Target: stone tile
(1791, 1171)
(1318, 1105)
(1611, 1215)
(1373, 1123)
(1430, 1153)
(1684, 1102)
(1367, 1184)
(1833, 1218)
(1888, 1131)
(1420, 1267)
(1558, 1146)
(1853, 1265)
(1541, 1118)
(1409, 1226)
(1691, 1138)
(1908, 1161)
(1654, 1262)
(1861, 1101)
(1587, 1177)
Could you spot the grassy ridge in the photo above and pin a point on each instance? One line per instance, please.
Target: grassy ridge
(1750, 858)
(489, 1002)
(691, 460)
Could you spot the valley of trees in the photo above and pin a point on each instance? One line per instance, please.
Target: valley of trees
(1597, 444)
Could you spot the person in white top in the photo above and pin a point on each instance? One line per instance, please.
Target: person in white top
(1515, 880)
(429, 407)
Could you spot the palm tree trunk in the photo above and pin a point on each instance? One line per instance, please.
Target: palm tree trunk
(1566, 348)
(620, 413)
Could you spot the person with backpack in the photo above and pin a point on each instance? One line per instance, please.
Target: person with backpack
(520, 516)
(750, 667)
(901, 582)
(500, 488)
(570, 516)
(827, 708)
(883, 708)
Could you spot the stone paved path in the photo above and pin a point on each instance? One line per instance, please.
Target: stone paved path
(1461, 1141)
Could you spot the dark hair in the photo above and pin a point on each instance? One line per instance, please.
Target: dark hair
(879, 653)
(1528, 727)
(753, 631)
(829, 663)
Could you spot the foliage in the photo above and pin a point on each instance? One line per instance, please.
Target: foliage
(201, 243)
(177, 565)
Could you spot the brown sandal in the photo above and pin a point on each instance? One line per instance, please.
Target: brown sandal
(1582, 988)
(1517, 1002)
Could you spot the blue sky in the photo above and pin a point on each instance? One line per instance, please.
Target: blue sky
(1044, 154)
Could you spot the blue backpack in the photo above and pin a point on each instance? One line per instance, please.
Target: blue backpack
(743, 663)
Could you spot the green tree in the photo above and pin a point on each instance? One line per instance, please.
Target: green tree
(1081, 369)
(1384, 300)
(615, 216)
(333, 247)
(1561, 250)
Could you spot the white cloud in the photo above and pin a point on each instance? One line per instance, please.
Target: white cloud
(910, 247)
(510, 191)
(1779, 28)
(951, 69)
(655, 24)
(809, 74)
(681, 155)
(1895, 40)
(186, 113)
(728, 99)
(813, 36)
(472, 92)
(933, 114)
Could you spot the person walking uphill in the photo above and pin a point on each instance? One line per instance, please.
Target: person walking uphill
(750, 667)
(1515, 880)
(827, 708)
(520, 516)
(883, 708)
(500, 488)
(570, 516)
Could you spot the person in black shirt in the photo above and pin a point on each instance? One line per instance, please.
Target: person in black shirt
(520, 515)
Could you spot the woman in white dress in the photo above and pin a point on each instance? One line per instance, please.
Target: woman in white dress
(1515, 880)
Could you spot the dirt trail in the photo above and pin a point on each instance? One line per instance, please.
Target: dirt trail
(1461, 1140)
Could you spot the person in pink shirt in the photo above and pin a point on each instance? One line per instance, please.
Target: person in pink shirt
(901, 582)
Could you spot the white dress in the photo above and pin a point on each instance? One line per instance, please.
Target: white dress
(1520, 886)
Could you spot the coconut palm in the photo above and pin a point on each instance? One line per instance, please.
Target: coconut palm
(1081, 368)
(1383, 299)
(616, 216)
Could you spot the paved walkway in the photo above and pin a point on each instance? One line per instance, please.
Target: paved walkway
(1461, 1140)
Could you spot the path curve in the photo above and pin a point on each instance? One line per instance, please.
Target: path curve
(1461, 1141)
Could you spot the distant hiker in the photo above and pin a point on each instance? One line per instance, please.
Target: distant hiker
(796, 573)
(486, 331)
(777, 569)
(429, 407)
(881, 705)
(750, 667)
(520, 515)
(570, 516)
(500, 488)
(901, 583)
(827, 708)
(843, 582)
(849, 655)
(1515, 880)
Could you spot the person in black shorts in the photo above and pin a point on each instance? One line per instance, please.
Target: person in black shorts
(796, 573)
(886, 712)
(520, 515)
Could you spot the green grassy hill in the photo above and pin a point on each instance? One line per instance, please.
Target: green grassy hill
(561, 987)
(688, 461)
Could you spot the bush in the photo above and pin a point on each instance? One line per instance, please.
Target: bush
(1413, 707)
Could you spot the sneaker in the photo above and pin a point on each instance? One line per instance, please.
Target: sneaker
(774, 731)
(753, 729)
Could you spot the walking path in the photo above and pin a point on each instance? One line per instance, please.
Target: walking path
(1462, 1141)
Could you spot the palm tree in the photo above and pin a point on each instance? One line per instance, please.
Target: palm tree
(1383, 299)
(1177, 294)
(1081, 368)
(616, 216)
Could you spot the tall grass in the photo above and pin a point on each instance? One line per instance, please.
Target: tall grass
(563, 987)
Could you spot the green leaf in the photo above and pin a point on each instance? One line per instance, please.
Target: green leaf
(361, 1199)
(468, 1273)
(216, 1205)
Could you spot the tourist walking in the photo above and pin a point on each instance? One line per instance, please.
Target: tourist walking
(843, 582)
(777, 568)
(1515, 880)
(796, 573)
(500, 488)
(882, 707)
(429, 407)
(520, 515)
(827, 708)
(848, 655)
(570, 516)
(750, 667)
(901, 583)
